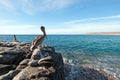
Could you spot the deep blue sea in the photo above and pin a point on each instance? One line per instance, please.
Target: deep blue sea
(99, 51)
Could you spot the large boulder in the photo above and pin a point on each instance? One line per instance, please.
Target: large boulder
(12, 53)
(73, 72)
(5, 68)
(9, 75)
(44, 64)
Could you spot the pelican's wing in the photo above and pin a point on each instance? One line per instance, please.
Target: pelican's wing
(38, 40)
(34, 41)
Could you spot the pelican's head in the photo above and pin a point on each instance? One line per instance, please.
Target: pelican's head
(43, 30)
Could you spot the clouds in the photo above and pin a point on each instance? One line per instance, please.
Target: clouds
(86, 28)
(71, 28)
(7, 4)
(99, 24)
(92, 19)
(34, 6)
(25, 17)
(20, 29)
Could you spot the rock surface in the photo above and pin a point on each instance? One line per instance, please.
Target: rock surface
(73, 72)
(12, 53)
(43, 64)
(5, 68)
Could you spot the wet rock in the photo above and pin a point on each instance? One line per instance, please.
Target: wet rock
(85, 73)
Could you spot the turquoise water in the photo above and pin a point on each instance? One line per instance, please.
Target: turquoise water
(99, 51)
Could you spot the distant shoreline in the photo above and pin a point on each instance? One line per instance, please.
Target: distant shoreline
(89, 33)
(103, 33)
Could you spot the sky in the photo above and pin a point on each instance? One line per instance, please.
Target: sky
(59, 16)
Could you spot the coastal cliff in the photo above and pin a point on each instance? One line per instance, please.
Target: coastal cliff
(17, 63)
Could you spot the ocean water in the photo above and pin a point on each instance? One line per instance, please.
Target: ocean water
(99, 51)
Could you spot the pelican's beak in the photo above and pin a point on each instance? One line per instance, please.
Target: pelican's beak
(46, 37)
(45, 34)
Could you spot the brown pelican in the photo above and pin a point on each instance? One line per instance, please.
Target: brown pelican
(38, 40)
(14, 39)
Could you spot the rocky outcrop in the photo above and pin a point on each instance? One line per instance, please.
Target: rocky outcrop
(5, 68)
(44, 64)
(16, 63)
(12, 53)
(73, 72)
(9, 75)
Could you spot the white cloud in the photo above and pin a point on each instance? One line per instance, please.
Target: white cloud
(33, 6)
(20, 29)
(92, 19)
(6, 21)
(72, 29)
(106, 26)
(7, 4)
(86, 29)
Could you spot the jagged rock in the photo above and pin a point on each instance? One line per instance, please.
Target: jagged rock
(43, 64)
(23, 64)
(47, 61)
(48, 58)
(37, 72)
(9, 75)
(85, 73)
(5, 68)
(8, 58)
(48, 66)
(44, 78)
(36, 54)
(33, 63)
(12, 53)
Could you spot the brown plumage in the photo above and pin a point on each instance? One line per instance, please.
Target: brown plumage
(38, 40)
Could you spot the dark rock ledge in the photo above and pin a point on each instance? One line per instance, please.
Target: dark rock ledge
(16, 63)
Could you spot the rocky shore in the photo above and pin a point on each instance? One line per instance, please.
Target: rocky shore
(44, 63)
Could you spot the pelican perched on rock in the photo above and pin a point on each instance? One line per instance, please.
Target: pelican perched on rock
(38, 40)
(14, 39)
